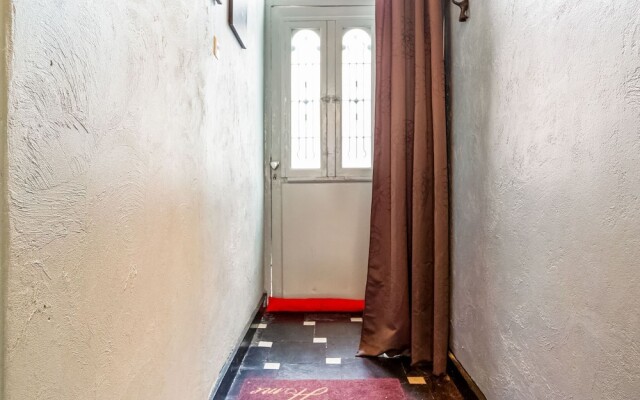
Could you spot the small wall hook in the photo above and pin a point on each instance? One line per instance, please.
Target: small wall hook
(464, 9)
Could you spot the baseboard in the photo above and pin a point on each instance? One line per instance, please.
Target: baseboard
(462, 379)
(230, 368)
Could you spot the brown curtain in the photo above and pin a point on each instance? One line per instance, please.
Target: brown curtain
(407, 296)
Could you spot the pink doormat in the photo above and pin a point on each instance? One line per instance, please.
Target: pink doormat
(276, 389)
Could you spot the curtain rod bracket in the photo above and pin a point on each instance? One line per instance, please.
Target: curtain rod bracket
(464, 9)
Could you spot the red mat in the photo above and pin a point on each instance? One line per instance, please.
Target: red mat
(276, 389)
(277, 304)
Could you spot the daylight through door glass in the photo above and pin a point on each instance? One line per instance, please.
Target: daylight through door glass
(356, 99)
(305, 100)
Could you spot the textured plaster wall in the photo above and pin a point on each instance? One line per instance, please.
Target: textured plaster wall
(135, 197)
(546, 210)
(4, 29)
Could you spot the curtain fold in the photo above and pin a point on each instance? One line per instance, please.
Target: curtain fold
(407, 295)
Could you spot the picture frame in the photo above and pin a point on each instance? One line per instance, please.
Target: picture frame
(239, 20)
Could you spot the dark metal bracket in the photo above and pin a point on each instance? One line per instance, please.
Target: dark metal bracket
(464, 9)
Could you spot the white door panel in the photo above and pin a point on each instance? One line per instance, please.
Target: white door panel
(325, 239)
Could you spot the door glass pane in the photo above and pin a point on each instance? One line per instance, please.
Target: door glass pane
(356, 99)
(305, 100)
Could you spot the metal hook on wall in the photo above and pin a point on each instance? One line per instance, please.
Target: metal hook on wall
(464, 9)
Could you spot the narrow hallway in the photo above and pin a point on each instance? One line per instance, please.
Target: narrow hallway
(230, 199)
(322, 347)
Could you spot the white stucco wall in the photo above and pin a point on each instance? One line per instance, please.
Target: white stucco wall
(545, 198)
(135, 197)
(4, 28)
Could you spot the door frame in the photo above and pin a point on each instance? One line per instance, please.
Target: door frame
(271, 108)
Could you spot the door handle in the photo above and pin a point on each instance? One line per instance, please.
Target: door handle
(330, 99)
(274, 166)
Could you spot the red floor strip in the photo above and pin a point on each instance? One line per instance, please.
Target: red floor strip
(277, 304)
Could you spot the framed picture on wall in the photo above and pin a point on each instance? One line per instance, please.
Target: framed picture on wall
(239, 20)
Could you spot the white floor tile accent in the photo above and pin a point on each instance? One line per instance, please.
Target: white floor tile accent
(356, 319)
(272, 366)
(254, 326)
(309, 323)
(416, 380)
(334, 360)
(265, 344)
(319, 340)
(262, 326)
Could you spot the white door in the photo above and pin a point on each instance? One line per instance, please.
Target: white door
(320, 118)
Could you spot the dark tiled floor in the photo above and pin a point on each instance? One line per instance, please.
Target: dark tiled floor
(293, 349)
